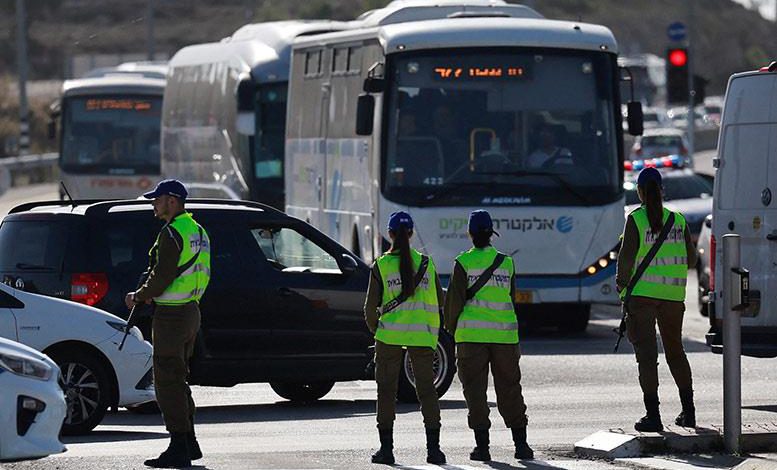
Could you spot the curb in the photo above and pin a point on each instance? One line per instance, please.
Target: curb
(617, 443)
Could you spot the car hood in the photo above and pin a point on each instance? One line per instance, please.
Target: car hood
(74, 320)
(18, 349)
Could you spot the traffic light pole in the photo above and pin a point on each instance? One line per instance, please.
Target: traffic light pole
(691, 122)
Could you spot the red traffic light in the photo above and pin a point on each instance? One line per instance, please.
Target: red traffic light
(678, 57)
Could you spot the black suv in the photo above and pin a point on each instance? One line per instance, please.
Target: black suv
(284, 304)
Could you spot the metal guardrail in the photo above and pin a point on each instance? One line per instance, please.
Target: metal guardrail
(28, 169)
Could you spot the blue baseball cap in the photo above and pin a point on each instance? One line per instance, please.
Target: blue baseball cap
(168, 188)
(647, 175)
(398, 219)
(480, 221)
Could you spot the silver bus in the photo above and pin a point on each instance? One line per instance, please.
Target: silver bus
(109, 131)
(224, 112)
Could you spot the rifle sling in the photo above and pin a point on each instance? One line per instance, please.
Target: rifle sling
(648, 258)
(485, 276)
(419, 276)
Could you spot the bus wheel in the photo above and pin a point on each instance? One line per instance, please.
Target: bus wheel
(574, 318)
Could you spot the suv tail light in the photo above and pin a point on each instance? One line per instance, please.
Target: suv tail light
(88, 288)
(713, 245)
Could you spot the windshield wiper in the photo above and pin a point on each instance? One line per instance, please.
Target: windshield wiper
(448, 187)
(555, 176)
(33, 266)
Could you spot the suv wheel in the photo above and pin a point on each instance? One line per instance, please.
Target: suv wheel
(444, 367)
(87, 388)
(301, 392)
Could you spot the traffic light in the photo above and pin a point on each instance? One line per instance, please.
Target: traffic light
(677, 75)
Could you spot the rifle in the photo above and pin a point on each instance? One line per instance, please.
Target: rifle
(624, 313)
(638, 274)
(137, 312)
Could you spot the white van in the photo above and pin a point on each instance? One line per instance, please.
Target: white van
(745, 203)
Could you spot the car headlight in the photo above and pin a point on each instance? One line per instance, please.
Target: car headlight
(26, 367)
(121, 327)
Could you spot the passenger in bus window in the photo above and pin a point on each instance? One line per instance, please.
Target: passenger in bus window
(549, 153)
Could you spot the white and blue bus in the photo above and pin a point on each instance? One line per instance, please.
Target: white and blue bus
(224, 112)
(474, 104)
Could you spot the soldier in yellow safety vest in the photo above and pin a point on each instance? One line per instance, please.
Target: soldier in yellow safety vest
(480, 314)
(179, 274)
(403, 311)
(657, 296)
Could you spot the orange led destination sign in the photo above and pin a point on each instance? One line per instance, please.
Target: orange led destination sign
(470, 73)
(101, 104)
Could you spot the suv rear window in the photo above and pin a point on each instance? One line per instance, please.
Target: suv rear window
(661, 141)
(33, 245)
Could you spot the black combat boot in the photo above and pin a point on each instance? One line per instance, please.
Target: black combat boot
(687, 417)
(522, 449)
(385, 454)
(651, 422)
(195, 453)
(433, 453)
(176, 455)
(480, 452)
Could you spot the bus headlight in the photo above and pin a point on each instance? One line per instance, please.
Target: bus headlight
(602, 263)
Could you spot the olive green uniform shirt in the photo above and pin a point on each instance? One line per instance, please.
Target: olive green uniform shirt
(375, 297)
(630, 246)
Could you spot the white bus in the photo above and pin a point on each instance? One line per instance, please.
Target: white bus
(109, 131)
(225, 112)
(476, 105)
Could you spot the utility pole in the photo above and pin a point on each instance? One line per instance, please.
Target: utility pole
(691, 122)
(150, 45)
(21, 65)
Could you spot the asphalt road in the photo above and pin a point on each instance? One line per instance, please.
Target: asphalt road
(573, 385)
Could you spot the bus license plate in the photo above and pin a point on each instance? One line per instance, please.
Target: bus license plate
(523, 297)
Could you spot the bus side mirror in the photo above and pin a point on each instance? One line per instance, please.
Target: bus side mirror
(634, 118)
(365, 114)
(52, 129)
(246, 95)
(374, 85)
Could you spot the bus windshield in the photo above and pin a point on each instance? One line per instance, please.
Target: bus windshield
(503, 126)
(106, 134)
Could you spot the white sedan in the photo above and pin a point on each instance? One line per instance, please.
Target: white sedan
(83, 341)
(32, 405)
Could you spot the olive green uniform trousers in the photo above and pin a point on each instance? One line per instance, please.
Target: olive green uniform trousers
(174, 330)
(388, 364)
(472, 361)
(644, 313)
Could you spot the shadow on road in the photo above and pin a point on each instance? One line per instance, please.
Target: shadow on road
(523, 464)
(599, 338)
(769, 408)
(270, 412)
(114, 436)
